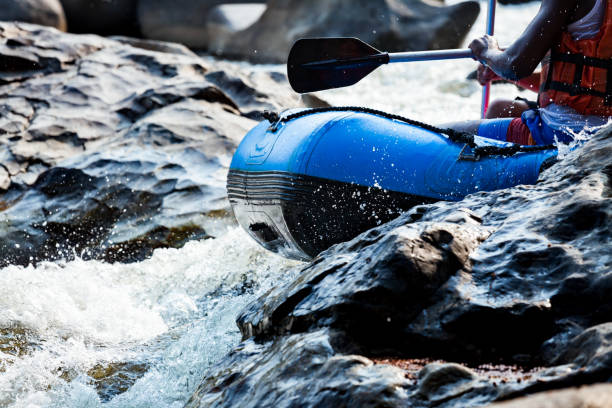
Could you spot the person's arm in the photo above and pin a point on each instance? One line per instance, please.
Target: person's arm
(523, 56)
(486, 75)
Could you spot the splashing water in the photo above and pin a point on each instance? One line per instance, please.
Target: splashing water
(173, 314)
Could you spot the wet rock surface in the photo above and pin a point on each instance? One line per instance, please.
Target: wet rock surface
(335, 379)
(110, 148)
(44, 12)
(514, 278)
(115, 378)
(189, 22)
(374, 289)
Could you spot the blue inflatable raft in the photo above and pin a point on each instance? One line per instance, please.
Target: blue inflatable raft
(308, 179)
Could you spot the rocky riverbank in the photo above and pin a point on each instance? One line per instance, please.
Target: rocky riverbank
(110, 148)
(518, 277)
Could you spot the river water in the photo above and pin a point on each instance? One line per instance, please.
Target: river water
(91, 334)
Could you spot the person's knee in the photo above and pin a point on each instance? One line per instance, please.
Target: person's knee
(498, 108)
(505, 108)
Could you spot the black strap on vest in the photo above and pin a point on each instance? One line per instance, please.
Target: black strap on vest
(575, 88)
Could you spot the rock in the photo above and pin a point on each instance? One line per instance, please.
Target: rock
(112, 148)
(391, 25)
(591, 350)
(5, 179)
(516, 299)
(442, 381)
(226, 19)
(311, 370)
(243, 89)
(152, 45)
(17, 341)
(300, 370)
(374, 289)
(104, 17)
(44, 12)
(594, 396)
(113, 378)
(313, 101)
(185, 21)
(399, 25)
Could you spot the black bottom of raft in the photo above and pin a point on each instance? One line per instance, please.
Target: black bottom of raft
(300, 216)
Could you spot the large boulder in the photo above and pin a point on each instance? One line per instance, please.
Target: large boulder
(110, 148)
(104, 17)
(44, 12)
(185, 21)
(375, 291)
(391, 25)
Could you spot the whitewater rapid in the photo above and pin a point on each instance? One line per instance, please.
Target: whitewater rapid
(163, 322)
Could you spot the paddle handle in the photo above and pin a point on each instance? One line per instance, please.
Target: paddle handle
(486, 91)
(429, 55)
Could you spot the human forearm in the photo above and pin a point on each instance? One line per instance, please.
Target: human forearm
(500, 62)
(522, 57)
(507, 64)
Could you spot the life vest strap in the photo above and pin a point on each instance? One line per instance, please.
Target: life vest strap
(576, 88)
(580, 59)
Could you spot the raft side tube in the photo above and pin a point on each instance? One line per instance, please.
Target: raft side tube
(300, 186)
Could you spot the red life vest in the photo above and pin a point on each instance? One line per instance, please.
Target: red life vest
(581, 73)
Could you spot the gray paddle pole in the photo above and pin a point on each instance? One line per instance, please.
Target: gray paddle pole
(486, 91)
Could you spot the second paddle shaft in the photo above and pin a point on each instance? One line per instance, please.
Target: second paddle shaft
(486, 91)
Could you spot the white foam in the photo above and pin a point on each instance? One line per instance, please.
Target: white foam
(85, 312)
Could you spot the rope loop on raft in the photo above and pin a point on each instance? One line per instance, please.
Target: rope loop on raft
(455, 136)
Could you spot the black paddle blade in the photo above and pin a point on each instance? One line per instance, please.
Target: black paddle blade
(316, 64)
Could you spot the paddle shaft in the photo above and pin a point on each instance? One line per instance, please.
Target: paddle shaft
(429, 55)
(486, 91)
(388, 58)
